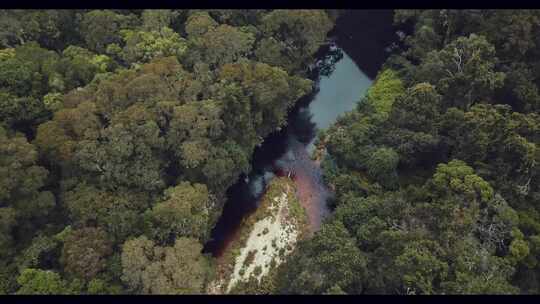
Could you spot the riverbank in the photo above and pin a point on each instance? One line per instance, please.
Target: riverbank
(267, 236)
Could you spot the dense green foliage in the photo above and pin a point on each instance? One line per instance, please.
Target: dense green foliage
(121, 130)
(436, 171)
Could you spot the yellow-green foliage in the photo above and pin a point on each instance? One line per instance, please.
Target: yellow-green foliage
(53, 101)
(5, 54)
(298, 212)
(144, 46)
(104, 63)
(386, 88)
(457, 176)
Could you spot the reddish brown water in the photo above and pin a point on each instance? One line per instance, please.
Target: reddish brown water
(297, 165)
(310, 187)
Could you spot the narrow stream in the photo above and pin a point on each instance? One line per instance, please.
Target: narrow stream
(341, 84)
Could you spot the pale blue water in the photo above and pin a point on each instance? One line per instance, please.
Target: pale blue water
(338, 93)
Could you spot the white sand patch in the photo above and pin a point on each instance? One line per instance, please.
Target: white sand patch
(214, 287)
(269, 236)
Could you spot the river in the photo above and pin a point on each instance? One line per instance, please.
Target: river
(346, 70)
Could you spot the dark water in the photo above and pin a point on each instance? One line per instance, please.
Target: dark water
(342, 83)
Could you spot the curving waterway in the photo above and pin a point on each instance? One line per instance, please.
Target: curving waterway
(339, 86)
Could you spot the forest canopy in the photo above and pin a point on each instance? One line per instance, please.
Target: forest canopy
(436, 170)
(121, 131)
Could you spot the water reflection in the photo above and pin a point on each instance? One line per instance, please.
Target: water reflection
(303, 128)
(327, 65)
